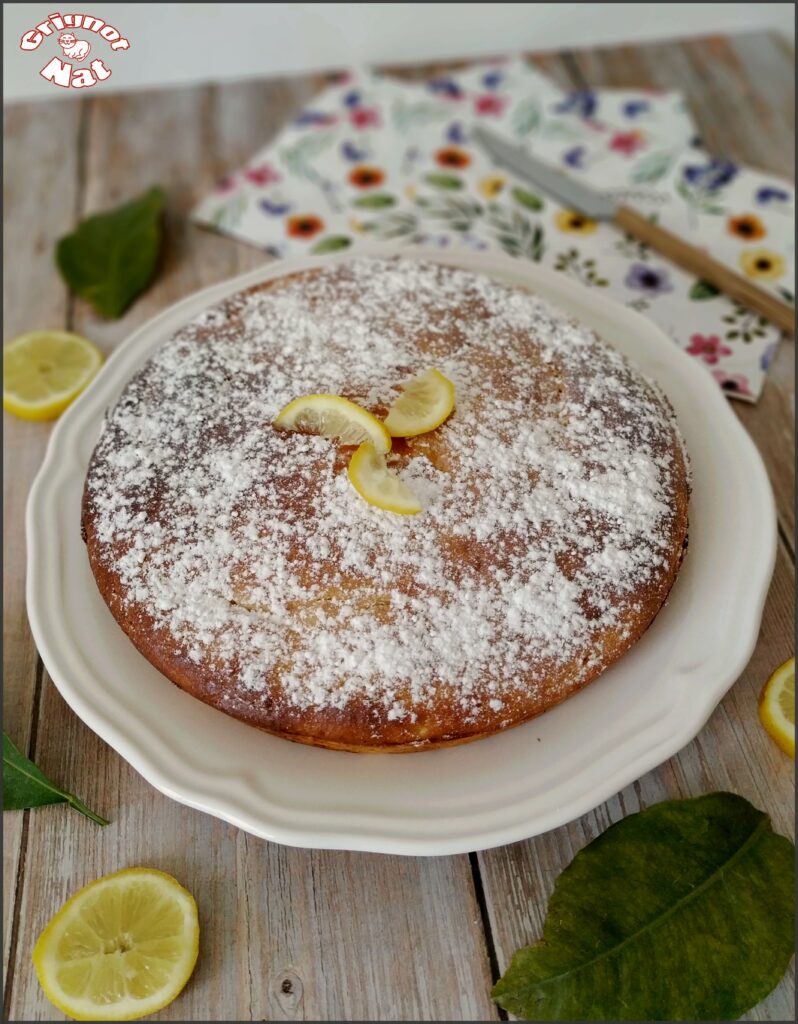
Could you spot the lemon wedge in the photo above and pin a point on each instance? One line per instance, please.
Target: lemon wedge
(777, 706)
(334, 417)
(425, 402)
(371, 478)
(121, 948)
(44, 371)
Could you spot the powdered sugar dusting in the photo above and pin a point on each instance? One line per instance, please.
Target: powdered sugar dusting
(548, 495)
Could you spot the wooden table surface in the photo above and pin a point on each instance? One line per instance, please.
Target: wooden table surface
(299, 934)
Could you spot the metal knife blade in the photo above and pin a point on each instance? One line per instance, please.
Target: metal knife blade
(564, 188)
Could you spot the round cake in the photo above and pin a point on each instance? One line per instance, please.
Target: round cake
(243, 564)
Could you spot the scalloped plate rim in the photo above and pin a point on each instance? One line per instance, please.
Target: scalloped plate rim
(347, 828)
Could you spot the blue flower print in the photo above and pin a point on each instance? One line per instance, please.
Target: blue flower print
(349, 151)
(649, 280)
(352, 99)
(446, 87)
(575, 158)
(274, 209)
(583, 103)
(455, 133)
(633, 108)
(711, 176)
(492, 80)
(770, 194)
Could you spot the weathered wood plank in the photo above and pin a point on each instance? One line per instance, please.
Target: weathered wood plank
(40, 184)
(353, 934)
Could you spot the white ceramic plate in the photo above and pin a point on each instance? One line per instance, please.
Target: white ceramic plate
(526, 781)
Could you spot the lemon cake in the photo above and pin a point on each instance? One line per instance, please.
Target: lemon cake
(242, 563)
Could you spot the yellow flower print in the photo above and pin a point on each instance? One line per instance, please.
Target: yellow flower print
(356, 225)
(411, 192)
(763, 263)
(570, 220)
(492, 185)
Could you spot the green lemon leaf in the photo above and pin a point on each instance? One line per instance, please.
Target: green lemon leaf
(443, 181)
(24, 785)
(703, 290)
(681, 912)
(332, 243)
(111, 257)
(527, 199)
(375, 202)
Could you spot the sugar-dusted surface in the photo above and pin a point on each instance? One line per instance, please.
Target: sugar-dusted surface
(554, 505)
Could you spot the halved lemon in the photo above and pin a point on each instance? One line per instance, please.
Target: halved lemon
(371, 478)
(334, 417)
(425, 402)
(777, 706)
(44, 371)
(121, 948)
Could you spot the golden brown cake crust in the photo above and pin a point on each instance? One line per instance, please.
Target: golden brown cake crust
(243, 565)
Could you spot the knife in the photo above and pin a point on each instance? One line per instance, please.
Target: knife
(599, 206)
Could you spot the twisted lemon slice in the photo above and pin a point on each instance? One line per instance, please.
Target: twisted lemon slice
(425, 402)
(372, 479)
(44, 371)
(777, 706)
(123, 947)
(334, 417)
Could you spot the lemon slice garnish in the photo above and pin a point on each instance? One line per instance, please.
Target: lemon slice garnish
(46, 370)
(335, 417)
(777, 706)
(424, 404)
(121, 948)
(372, 479)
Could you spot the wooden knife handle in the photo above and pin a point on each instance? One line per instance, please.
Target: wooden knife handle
(697, 262)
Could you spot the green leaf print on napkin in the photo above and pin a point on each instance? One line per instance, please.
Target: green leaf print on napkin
(443, 181)
(527, 199)
(652, 167)
(681, 912)
(526, 117)
(703, 290)
(332, 244)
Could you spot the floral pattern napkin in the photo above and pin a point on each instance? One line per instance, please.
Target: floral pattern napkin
(378, 158)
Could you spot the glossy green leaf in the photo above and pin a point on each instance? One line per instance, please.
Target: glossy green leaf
(332, 244)
(443, 181)
(703, 290)
(527, 199)
(24, 785)
(111, 257)
(375, 202)
(681, 912)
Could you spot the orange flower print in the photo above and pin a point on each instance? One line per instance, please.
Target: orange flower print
(304, 225)
(366, 177)
(451, 156)
(746, 227)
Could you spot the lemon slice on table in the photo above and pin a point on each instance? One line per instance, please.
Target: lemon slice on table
(777, 706)
(371, 478)
(121, 948)
(44, 371)
(334, 417)
(425, 402)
